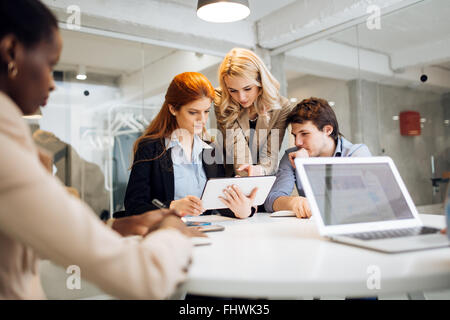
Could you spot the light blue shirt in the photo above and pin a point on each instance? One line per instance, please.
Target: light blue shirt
(287, 176)
(189, 175)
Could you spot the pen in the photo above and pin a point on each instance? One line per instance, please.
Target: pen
(161, 205)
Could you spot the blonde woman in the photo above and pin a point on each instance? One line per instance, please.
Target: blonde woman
(251, 114)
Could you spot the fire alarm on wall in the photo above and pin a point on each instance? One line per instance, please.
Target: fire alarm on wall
(409, 123)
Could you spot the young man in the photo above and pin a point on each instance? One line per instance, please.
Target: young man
(316, 133)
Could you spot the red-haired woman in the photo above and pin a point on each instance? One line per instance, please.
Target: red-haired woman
(171, 161)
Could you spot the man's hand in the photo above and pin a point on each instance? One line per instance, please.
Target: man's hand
(297, 204)
(302, 153)
(301, 207)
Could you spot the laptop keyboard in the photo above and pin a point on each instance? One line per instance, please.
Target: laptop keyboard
(394, 233)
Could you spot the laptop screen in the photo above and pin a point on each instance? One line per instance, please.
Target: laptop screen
(357, 193)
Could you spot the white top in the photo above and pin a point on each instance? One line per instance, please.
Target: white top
(189, 174)
(285, 257)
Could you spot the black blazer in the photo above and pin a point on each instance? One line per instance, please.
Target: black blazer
(154, 178)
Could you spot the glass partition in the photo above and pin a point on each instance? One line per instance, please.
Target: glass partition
(378, 76)
(369, 73)
(90, 125)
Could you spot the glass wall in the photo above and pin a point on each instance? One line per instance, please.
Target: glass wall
(369, 73)
(90, 125)
(373, 72)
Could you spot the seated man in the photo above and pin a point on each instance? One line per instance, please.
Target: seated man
(316, 133)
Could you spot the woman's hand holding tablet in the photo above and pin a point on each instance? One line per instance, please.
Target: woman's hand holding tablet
(239, 203)
(245, 186)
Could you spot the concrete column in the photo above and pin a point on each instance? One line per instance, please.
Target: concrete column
(364, 114)
(276, 65)
(279, 72)
(354, 89)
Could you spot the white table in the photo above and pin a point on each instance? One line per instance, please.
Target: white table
(264, 257)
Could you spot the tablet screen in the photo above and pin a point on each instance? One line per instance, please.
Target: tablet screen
(214, 188)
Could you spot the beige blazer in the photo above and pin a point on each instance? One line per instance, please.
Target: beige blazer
(269, 134)
(39, 218)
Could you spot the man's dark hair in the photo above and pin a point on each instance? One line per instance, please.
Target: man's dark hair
(29, 20)
(318, 111)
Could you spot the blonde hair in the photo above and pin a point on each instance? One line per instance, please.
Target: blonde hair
(245, 63)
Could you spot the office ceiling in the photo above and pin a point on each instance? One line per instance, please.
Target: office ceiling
(415, 27)
(116, 57)
(427, 22)
(258, 8)
(112, 56)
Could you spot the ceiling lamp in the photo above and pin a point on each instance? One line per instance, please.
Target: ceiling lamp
(81, 73)
(223, 10)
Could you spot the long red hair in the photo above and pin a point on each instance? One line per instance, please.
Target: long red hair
(184, 88)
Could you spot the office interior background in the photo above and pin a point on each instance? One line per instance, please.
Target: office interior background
(369, 69)
(130, 51)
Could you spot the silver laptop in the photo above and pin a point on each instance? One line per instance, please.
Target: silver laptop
(364, 202)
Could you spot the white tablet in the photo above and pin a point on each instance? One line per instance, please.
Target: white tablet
(214, 188)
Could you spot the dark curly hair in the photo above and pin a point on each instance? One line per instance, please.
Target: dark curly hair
(29, 20)
(318, 111)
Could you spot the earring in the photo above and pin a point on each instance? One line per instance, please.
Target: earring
(12, 70)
